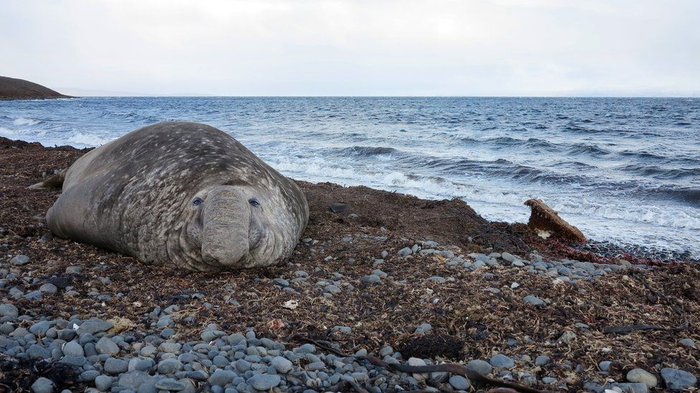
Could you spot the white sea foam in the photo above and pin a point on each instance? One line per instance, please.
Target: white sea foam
(87, 140)
(26, 122)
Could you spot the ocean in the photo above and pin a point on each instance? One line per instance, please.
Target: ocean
(623, 170)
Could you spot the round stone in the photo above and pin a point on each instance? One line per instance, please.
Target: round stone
(222, 377)
(642, 376)
(502, 361)
(73, 349)
(169, 366)
(459, 382)
(103, 382)
(678, 379)
(264, 382)
(106, 346)
(480, 366)
(541, 360)
(115, 366)
(42, 385)
(282, 365)
(9, 310)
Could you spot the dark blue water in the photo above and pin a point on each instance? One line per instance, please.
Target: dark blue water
(626, 170)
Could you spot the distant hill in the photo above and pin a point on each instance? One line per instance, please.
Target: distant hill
(19, 89)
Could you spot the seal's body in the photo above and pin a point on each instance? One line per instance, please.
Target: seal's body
(181, 194)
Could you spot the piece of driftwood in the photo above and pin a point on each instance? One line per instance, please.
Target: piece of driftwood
(544, 218)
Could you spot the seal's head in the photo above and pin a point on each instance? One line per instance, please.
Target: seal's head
(233, 226)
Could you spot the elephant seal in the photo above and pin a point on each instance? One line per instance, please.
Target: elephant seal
(182, 194)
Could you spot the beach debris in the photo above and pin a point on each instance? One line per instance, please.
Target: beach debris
(543, 219)
(291, 304)
(54, 181)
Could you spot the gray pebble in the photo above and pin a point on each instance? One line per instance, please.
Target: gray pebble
(535, 301)
(170, 384)
(169, 366)
(282, 365)
(502, 361)
(264, 382)
(371, 279)
(106, 346)
(48, 288)
(222, 377)
(115, 366)
(687, 342)
(404, 252)
(424, 328)
(94, 325)
(20, 260)
(639, 375)
(8, 310)
(103, 382)
(42, 385)
(541, 360)
(678, 379)
(73, 349)
(605, 365)
(459, 382)
(480, 366)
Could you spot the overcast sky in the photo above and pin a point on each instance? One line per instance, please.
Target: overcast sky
(356, 47)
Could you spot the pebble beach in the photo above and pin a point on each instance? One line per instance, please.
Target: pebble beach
(405, 280)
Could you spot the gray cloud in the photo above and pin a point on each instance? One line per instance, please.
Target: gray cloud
(343, 47)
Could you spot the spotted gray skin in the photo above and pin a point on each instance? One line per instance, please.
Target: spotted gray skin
(181, 194)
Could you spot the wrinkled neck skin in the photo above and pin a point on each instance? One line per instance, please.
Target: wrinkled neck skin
(231, 227)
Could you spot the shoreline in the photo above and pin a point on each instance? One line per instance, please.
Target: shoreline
(390, 271)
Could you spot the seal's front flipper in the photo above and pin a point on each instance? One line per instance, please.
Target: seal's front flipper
(54, 181)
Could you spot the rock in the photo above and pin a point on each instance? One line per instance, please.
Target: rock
(480, 366)
(106, 346)
(371, 279)
(73, 349)
(170, 384)
(8, 310)
(169, 366)
(40, 328)
(568, 337)
(543, 218)
(418, 362)
(541, 360)
(264, 382)
(170, 347)
(33, 295)
(639, 375)
(282, 365)
(88, 376)
(437, 279)
(424, 328)
(133, 379)
(459, 382)
(632, 387)
(222, 377)
(38, 352)
(605, 365)
(508, 257)
(48, 288)
(103, 382)
(687, 342)
(502, 361)
(404, 252)
(115, 366)
(20, 260)
(94, 325)
(677, 379)
(535, 301)
(548, 380)
(42, 385)
(74, 270)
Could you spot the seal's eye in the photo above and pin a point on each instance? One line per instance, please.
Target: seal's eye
(197, 201)
(254, 202)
